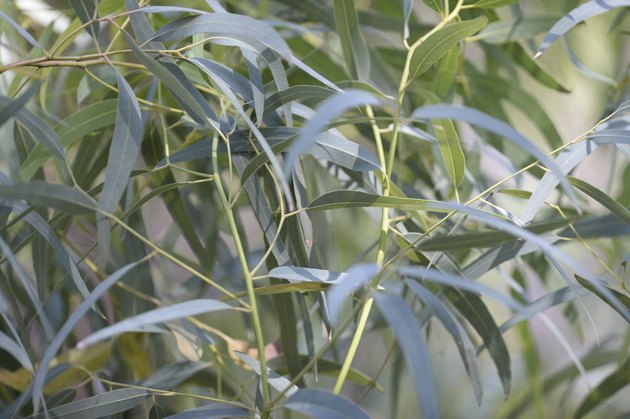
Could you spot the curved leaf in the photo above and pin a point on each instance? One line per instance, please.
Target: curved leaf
(579, 14)
(109, 403)
(159, 315)
(353, 46)
(498, 127)
(414, 348)
(322, 404)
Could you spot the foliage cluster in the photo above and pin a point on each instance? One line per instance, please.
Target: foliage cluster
(283, 208)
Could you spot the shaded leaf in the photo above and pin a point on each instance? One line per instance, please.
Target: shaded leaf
(412, 344)
(109, 403)
(624, 299)
(40, 131)
(467, 350)
(159, 315)
(212, 411)
(91, 118)
(498, 127)
(68, 326)
(59, 197)
(353, 46)
(317, 404)
(614, 382)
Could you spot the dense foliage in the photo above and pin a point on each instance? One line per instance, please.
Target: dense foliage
(321, 208)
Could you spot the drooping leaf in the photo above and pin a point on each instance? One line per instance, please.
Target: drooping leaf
(178, 84)
(326, 111)
(40, 376)
(59, 197)
(29, 38)
(316, 404)
(412, 344)
(275, 380)
(240, 28)
(140, 322)
(498, 127)
(353, 46)
(624, 299)
(470, 305)
(105, 404)
(521, 28)
(525, 61)
(613, 383)
(579, 14)
(91, 118)
(600, 196)
(86, 11)
(465, 346)
(15, 105)
(38, 128)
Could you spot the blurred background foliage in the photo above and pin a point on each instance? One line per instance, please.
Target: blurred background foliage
(323, 208)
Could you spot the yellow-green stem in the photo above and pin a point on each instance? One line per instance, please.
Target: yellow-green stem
(249, 281)
(380, 257)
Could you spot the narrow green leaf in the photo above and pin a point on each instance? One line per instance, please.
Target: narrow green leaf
(353, 46)
(86, 11)
(317, 404)
(16, 104)
(614, 382)
(125, 146)
(449, 143)
(213, 411)
(327, 111)
(37, 127)
(463, 295)
(413, 345)
(275, 380)
(54, 346)
(105, 404)
(525, 102)
(478, 240)
(521, 28)
(159, 315)
(241, 28)
(29, 38)
(16, 350)
(444, 78)
(600, 196)
(178, 84)
(437, 45)
(89, 119)
(329, 368)
(465, 346)
(579, 14)
(624, 299)
(346, 198)
(491, 4)
(59, 197)
(525, 61)
(473, 116)
(123, 155)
